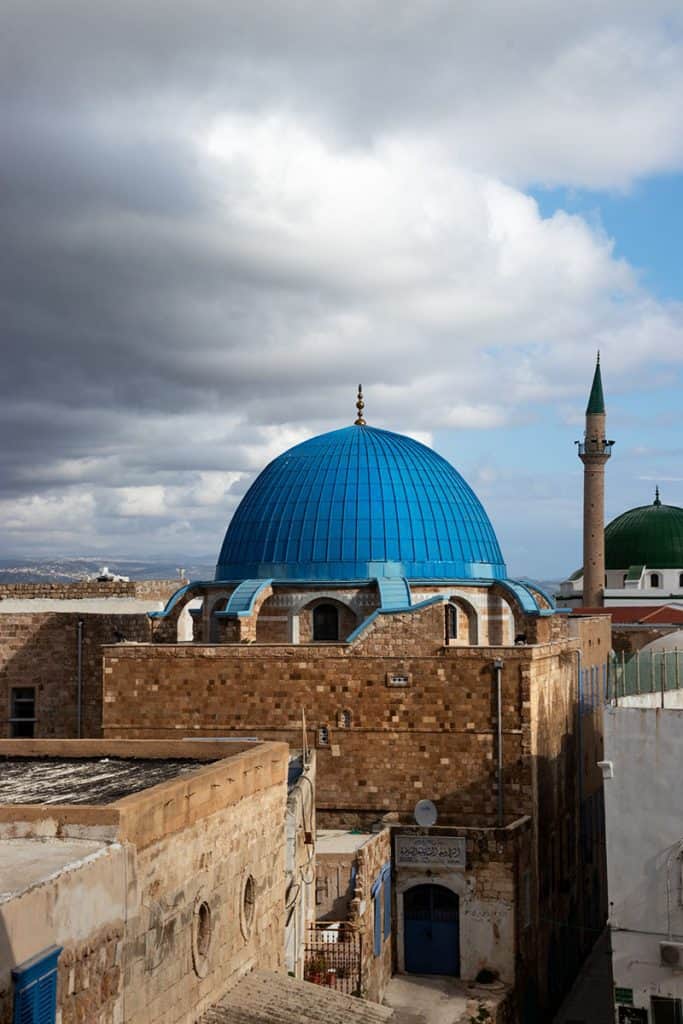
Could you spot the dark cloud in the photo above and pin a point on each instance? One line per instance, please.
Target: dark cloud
(216, 219)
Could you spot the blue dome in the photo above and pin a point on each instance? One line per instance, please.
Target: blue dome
(355, 504)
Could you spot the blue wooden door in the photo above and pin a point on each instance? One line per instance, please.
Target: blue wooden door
(431, 924)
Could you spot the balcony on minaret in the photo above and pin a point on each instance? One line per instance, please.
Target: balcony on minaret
(595, 446)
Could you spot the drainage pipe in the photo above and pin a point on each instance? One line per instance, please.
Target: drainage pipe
(498, 669)
(79, 678)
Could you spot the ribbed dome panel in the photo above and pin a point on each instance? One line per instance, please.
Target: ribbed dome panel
(357, 503)
(650, 535)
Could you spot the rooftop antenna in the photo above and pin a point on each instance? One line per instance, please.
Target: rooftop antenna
(360, 405)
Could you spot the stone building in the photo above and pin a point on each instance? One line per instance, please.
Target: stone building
(140, 881)
(361, 605)
(51, 638)
(361, 589)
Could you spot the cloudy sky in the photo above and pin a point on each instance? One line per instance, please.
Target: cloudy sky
(218, 217)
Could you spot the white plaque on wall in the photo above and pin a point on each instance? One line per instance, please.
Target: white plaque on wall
(431, 852)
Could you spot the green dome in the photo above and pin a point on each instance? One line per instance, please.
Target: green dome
(650, 535)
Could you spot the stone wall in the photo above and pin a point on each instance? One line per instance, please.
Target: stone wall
(167, 977)
(159, 590)
(431, 735)
(566, 743)
(188, 898)
(40, 649)
(495, 923)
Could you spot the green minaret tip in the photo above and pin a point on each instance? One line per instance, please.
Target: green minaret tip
(596, 401)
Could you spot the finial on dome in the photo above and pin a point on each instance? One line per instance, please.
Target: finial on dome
(360, 405)
(657, 501)
(597, 361)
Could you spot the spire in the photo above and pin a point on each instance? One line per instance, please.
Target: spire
(360, 405)
(657, 501)
(596, 401)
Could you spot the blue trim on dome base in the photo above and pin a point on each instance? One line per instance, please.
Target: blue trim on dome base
(242, 600)
(361, 572)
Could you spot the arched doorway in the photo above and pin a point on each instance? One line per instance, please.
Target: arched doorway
(431, 923)
(326, 622)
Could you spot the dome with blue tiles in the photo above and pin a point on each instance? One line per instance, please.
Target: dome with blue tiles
(359, 503)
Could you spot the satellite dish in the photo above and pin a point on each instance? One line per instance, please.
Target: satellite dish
(425, 813)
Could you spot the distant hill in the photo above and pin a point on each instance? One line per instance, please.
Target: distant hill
(70, 570)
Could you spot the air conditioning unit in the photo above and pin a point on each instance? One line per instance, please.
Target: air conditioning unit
(671, 954)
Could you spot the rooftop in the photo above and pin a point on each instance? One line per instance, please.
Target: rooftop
(662, 614)
(337, 840)
(26, 862)
(84, 780)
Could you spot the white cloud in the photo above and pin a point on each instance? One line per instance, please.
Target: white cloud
(144, 501)
(228, 219)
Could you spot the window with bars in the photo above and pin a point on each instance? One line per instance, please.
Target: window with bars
(22, 715)
(451, 622)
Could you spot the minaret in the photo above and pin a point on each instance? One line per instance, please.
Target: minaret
(594, 451)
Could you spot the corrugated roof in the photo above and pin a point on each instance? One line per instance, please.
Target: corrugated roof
(264, 998)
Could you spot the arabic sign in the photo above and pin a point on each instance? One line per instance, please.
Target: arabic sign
(431, 852)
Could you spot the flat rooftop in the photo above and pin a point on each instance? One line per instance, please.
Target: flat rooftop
(337, 840)
(27, 862)
(86, 780)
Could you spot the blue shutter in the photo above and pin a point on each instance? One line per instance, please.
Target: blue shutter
(378, 923)
(35, 988)
(376, 893)
(387, 902)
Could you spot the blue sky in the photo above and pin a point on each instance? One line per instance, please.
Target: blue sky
(645, 223)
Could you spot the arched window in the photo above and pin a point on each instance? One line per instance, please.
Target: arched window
(344, 719)
(451, 622)
(654, 579)
(680, 580)
(326, 622)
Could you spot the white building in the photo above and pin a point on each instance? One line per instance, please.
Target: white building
(644, 829)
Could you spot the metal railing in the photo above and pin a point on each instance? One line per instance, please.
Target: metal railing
(332, 956)
(644, 672)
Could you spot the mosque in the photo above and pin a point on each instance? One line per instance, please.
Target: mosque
(637, 560)
(361, 606)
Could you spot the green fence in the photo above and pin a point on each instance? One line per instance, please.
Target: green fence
(644, 672)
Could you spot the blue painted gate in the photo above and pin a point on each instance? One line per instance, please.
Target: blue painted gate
(431, 923)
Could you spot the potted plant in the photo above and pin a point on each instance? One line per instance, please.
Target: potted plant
(315, 969)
